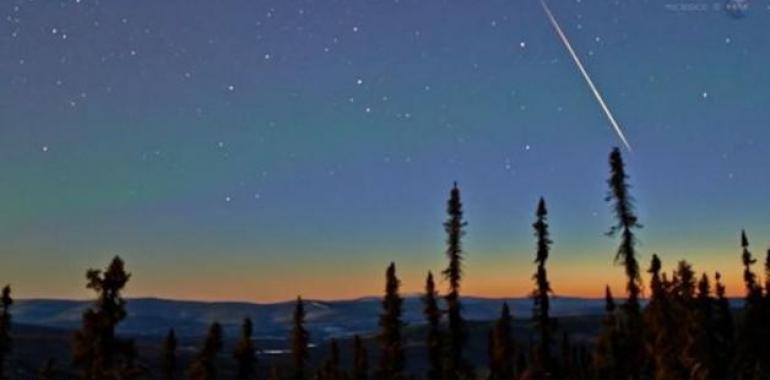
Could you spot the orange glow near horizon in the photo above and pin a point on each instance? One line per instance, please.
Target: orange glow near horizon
(504, 279)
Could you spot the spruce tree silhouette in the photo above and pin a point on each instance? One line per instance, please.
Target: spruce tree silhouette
(699, 355)
(204, 367)
(97, 350)
(299, 341)
(331, 367)
(631, 357)
(665, 336)
(432, 315)
(753, 359)
(360, 360)
(502, 347)
(540, 312)
(456, 366)
(724, 331)
(169, 356)
(606, 360)
(5, 329)
(245, 354)
(392, 359)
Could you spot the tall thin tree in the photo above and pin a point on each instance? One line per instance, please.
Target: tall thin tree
(698, 353)
(5, 329)
(724, 331)
(432, 314)
(299, 341)
(245, 353)
(664, 330)
(627, 221)
(360, 360)
(541, 310)
(456, 366)
(752, 356)
(169, 356)
(606, 361)
(204, 367)
(331, 367)
(392, 359)
(622, 203)
(502, 347)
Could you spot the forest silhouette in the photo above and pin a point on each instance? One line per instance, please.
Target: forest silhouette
(684, 329)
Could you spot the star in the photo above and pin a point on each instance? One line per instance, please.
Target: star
(705, 94)
(45, 148)
(522, 44)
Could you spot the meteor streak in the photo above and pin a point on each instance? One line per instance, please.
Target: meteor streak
(583, 71)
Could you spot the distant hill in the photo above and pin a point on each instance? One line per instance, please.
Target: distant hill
(153, 317)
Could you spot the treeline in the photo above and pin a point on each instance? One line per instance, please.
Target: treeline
(686, 329)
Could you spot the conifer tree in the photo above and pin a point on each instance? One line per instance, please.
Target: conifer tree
(622, 204)
(632, 355)
(331, 368)
(502, 350)
(752, 355)
(204, 367)
(541, 315)
(685, 285)
(724, 331)
(299, 341)
(664, 341)
(392, 357)
(169, 356)
(699, 354)
(606, 361)
(432, 315)
(97, 350)
(456, 367)
(753, 290)
(245, 353)
(360, 360)
(5, 329)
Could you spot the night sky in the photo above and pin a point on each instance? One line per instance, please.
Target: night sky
(255, 150)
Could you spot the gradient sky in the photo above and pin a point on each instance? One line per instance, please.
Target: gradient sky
(254, 150)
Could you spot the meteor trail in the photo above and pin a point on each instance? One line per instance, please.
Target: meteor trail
(583, 71)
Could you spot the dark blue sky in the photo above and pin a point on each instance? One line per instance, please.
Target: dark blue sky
(259, 149)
